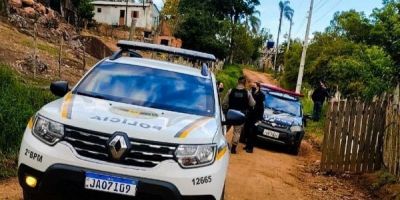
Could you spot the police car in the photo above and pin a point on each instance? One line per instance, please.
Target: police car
(284, 120)
(131, 128)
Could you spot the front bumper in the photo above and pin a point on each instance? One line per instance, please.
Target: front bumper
(61, 165)
(68, 180)
(286, 137)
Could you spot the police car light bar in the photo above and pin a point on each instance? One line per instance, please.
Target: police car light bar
(141, 46)
(281, 90)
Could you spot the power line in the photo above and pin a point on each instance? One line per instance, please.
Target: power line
(321, 6)
(327, 13)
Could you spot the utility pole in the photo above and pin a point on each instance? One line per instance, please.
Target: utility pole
(304, 54)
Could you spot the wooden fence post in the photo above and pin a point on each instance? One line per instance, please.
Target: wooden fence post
(83, 58)
(34, 49)
(396, 95)
(60, 56)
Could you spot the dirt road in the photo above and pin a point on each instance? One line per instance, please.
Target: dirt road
(268, 174)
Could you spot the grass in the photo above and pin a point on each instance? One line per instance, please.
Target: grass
(383, 178)
(229, 76)
(18, 102)
(314, 128)
(45, 47)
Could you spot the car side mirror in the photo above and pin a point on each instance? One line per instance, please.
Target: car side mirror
(59, 88)
(234, 117)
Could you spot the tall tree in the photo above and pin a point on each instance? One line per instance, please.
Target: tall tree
(289, 16)
(284, 6)
(253, 22)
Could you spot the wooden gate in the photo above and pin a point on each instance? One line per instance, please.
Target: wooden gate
(353, 137)
(391, 148)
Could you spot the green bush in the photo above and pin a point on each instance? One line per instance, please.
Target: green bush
(18, 102)
(229, 76)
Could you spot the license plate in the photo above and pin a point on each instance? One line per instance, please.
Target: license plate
(111, 184)
(270, 133)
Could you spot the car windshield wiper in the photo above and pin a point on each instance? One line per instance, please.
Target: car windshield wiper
(97, 96)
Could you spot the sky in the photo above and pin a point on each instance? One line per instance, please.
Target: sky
(322, 15)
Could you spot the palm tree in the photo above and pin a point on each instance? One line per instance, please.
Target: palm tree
(289, 16)
(253, 22)
(284, 7)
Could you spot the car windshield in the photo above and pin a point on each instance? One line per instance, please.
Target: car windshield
(149, 87)
(282, 105)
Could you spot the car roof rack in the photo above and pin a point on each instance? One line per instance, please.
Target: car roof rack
(131, 46)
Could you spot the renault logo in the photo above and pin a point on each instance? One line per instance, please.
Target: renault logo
(118, 145)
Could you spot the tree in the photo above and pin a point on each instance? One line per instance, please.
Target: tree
(289, 16)
(283, 7)
(253, 23)
(221, 27)
(170, 12)
(352, 25)
(356, 69)
(200, 29)
(84, 11)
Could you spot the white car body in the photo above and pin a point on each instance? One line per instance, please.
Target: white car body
(141, 123)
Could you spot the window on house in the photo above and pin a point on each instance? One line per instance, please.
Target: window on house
(135, 14)
(99, 10)
(165, 42)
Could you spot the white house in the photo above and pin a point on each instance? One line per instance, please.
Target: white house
(113, 12)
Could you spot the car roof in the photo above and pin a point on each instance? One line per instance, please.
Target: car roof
(156, 64)
(282, 95)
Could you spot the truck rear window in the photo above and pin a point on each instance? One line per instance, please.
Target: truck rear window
(149, 87)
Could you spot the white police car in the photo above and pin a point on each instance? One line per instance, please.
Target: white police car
(131, 128)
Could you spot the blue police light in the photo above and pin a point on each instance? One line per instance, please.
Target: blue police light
(204, 70)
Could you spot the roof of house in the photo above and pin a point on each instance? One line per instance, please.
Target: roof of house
(123, 3)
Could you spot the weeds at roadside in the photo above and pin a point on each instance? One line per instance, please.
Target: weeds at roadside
(384, 178)
(18, 102)
(229, 76)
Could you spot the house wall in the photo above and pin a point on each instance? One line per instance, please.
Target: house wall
(110, 14)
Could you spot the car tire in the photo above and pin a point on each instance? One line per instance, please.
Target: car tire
(31, 196)
(295, 149)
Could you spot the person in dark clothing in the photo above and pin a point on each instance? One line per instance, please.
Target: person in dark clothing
(255, 114)
(238, 99)
(318, 97)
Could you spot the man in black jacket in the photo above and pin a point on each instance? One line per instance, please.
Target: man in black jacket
(255, 114)
(318, 97)
(238, 99)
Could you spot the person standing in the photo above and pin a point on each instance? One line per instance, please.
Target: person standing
(255, 114)
(319, 95)
(238, 99)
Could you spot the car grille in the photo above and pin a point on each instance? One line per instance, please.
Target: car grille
(94, 145)
(276, 125)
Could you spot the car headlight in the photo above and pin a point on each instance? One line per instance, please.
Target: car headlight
(296, 129)
(48, 131)
(190, 156)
